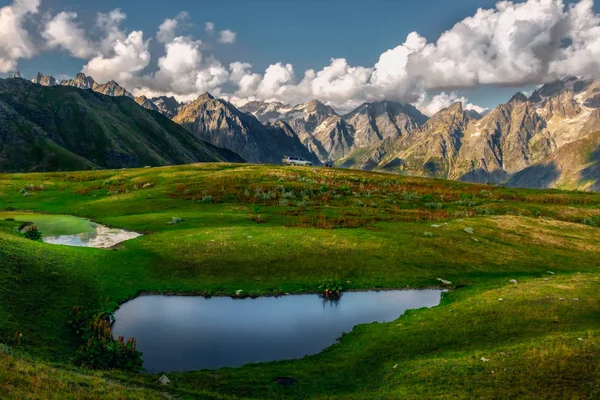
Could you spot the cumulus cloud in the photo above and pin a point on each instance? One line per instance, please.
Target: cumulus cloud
(121, 55)
(63, 31)
(184, 70)
(511, 44)
(166, 31)
(209, 27)
(430, 105)
(15, 42)
(227, 36)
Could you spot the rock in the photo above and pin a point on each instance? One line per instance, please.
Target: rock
(581, 339)
(561, 299)
(550, 272)
(513, 281)
(445, 282)
(546, 279)
(500, 299)
(163, 380)
(284, 381)
(475, 239)
(395, 366)
(485, 359)
(237, 292)
(428, 234)
(436, 226)
(469, 230)
(575, 299)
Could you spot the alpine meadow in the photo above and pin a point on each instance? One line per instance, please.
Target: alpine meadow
(206, 201)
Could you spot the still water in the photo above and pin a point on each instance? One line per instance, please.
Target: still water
(73, 231)
(184, 333)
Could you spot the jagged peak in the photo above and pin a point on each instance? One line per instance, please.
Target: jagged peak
(518, 98)
(205, 97)
(16, 74)
(455, 107)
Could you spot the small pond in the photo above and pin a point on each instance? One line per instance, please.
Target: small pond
(184, 333)
(73, 231)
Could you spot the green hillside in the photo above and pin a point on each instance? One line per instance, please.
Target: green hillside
(271, 230)
(65, 128)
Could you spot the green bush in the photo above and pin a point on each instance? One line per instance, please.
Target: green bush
(99, 349)
(30, 231)
(332, 287)
(592, 221)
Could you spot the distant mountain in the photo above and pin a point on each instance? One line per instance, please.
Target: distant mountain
(510, 144)
(332, 136)
(147, 104)
(80, 81)
(63, 128)
(168, 106)
(44, 80)
(220, 123)
(112, 88)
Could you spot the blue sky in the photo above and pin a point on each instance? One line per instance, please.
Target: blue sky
(307, 33)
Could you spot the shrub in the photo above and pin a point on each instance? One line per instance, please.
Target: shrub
(30, 231)
(592, 221)
(331, 288)
(176, 220)
(434, 206)
(428, 234)
(99, 349)
(206, 199)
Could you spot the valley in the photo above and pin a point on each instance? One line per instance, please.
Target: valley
(251, 230)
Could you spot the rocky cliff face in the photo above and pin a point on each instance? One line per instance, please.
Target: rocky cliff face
(168, 106)
(147, 104)
(220, 123)
(44, 80)
(517, 136)
(80, 81)
(112, 88)
(332, 136)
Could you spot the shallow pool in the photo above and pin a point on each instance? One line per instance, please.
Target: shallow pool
(73, 231)
(184, 333)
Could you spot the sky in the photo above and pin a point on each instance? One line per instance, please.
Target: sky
(342, 52)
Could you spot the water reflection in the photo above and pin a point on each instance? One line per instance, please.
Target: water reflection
(183, 333)
(100, 237)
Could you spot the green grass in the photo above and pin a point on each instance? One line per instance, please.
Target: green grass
(365, 228)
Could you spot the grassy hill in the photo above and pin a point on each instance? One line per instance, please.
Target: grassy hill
(65, 128)
(269, 230)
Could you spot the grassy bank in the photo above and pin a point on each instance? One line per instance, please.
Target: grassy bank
(267, 230)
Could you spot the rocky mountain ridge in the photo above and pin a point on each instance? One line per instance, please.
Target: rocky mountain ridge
(453, 144)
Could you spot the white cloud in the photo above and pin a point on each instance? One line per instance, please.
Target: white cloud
(166, 31)
(511, 44)
(227, 36)
(209, 27)
(127, 57)
(62, 31)
(15, 42)
(184, 70)
(431, 105)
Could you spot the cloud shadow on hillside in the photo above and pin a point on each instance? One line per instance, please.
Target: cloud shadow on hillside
(538, 176)
(592, 173)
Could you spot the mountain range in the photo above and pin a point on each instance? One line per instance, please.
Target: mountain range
(54, 128)
(548, 139)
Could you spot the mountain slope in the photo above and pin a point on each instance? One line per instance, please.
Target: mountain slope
(220, 123)
(63, 128)
(575, 166)
(515, 137)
